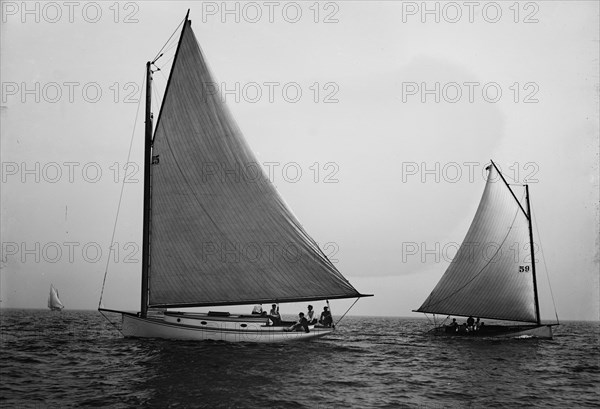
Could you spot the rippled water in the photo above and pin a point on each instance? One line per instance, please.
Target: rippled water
(76, 358)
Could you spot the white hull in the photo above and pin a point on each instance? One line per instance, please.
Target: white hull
(201, 327)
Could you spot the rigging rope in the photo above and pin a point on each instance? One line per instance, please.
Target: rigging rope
(545, 264)
(162, 48)
(164, 64)
(112, 240)
(342, 317)
(112, 323)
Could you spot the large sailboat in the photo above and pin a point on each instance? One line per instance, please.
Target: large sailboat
(493, 275)
(54, 303)
(215, 230)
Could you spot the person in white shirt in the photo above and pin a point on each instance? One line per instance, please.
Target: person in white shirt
(311, 317)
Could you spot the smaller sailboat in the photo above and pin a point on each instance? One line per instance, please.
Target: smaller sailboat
(54, 302)
(493, 274)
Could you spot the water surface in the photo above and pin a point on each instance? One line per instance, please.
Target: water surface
(76, 358)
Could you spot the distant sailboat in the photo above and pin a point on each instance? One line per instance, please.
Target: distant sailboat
(493, 275)
(215, 230)
(53, 300)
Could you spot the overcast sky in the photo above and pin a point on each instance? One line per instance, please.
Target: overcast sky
(375, 121)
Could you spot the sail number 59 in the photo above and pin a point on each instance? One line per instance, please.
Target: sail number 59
(523, 269)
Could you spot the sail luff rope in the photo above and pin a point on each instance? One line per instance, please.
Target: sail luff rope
(482, 268)
(112, 240)
(545, 265)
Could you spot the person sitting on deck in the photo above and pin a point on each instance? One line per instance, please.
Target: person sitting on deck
(302, 324)
(477, 324)
(274, 315)
(311, 316)
(257, 310)
(453, 326)
(326, 320)
(470, 323)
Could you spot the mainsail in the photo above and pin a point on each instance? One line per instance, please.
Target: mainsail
(220, 233)
(491, 275)
(53, 300)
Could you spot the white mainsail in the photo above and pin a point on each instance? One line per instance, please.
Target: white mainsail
(53, 300)
(491, 275)
(220, 233)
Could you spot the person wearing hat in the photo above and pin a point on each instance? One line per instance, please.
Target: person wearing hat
(326, 319)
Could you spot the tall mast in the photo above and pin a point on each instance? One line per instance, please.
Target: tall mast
(528, 216)
(535, 291)
(147, 164)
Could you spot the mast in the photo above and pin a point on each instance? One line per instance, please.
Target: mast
(535, 291)
(528, 216)
(147, 164)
